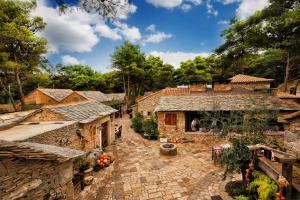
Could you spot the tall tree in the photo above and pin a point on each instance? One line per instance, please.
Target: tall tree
(275, 27)
(129, 61)
(19, 44)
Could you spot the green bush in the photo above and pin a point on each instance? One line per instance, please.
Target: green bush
(150, 127)
(137, 123)
(241, 197)
(262, 187)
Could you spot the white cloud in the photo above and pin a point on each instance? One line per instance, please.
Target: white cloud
(165, 3)
(211, 10)
(151, 28)
(79, 31)
(69, 60)
(156, 37)
(223, 22)
(186, 7)
(195, 2)
(107, 32)
(175, 58)
(249, 7)
(225, 2)
(130, 33)
(71, 32)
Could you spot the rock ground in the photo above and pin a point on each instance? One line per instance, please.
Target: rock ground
(140, 172)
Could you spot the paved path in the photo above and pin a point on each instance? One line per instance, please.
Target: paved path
(140, 172)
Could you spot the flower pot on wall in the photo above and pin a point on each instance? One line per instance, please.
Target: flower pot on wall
(163, 140)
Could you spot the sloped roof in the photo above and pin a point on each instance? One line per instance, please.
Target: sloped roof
(241, 78)
(26, 130)
(221, 102)
(95, 95)
(28, 150)
(285, 118)
(116, 96)
(57, 94)
(175, 91)
(82, 111)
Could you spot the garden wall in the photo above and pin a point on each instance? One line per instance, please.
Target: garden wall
(36, 179)
(179, 128)
(64, 137)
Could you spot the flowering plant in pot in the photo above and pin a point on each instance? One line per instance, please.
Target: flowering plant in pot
(163, 138)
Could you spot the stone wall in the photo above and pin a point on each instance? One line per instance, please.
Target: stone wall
(74, 97)
(64, 137)
(91, 133)
(179, 128)
(44, 115)
(35, 179)
(147, 104)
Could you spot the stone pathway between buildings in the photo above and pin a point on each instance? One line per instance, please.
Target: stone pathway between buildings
(140, 172)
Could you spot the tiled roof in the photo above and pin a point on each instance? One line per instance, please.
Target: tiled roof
(286, 95)
(28, 150)
(116, 96)
(95, 95)
(56, 94)
(240, 78)
(286, 117)
(221, 102)
(175, 91)
(82, 111)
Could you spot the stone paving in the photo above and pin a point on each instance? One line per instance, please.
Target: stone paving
(140, 172)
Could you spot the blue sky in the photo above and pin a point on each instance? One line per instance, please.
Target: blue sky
(175, 30)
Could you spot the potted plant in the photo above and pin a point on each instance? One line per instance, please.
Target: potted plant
(163, 138)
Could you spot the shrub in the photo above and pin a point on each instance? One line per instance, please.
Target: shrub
(137, 123)
(262, 186)
(241, 197)
(150, 127)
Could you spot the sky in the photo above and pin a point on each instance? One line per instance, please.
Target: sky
(175, 30)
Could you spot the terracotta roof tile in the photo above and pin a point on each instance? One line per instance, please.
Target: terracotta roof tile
(240, 78)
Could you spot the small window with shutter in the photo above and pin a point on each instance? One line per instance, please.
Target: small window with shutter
(171, 119)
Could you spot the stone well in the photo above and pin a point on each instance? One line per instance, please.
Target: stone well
(168, 149)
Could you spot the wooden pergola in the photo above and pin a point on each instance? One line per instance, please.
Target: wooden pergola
(277, 163)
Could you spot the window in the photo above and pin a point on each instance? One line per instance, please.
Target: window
(170, 119)
(149, 113)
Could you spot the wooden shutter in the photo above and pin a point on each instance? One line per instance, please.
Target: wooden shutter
(170, 119)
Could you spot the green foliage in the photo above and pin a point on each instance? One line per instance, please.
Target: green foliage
(137, 123)
(236, 158)
(79, 162)
(241, 197)
(21, 51)
(265, 43)
(199, 69)
(150, 127)
(263, 186)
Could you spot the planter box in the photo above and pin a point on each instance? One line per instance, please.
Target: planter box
(163, 140)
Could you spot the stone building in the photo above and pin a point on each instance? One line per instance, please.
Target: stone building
(95, 121)
(57, 133)
(36, 171)
(250, 82)
(117, 101)
(46, 96)
(291, 123)
(176, 113)
(147, 104)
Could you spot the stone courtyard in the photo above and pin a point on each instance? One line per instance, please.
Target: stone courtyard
(140, 172)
